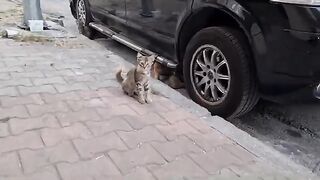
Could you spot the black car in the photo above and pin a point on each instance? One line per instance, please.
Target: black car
(229, 52)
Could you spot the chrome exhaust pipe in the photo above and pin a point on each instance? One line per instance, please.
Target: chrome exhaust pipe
(123, 40)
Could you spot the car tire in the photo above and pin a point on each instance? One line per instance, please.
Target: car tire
(219, 72)
(84, 17)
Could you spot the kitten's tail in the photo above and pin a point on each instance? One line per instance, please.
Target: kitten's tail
(119, 76)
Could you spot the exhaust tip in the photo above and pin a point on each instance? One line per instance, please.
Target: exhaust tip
(316, 92)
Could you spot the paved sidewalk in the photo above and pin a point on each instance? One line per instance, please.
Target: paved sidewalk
(63, 116)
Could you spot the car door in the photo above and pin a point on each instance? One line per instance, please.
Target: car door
(109, 10)
(155, 23)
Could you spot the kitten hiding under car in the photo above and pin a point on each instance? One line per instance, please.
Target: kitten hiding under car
(136, 83)
(166, 75)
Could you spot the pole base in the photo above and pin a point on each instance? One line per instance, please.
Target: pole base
(27, 28)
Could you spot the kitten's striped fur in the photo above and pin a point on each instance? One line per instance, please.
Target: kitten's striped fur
(136, 83)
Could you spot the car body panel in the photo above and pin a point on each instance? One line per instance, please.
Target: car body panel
(153, 23)
(291, 59)
(111, 12)
(114, 7)
(283, 38)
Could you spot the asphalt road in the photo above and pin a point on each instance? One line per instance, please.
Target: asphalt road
(293, 129)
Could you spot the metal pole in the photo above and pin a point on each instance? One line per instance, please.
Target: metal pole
(32, 11)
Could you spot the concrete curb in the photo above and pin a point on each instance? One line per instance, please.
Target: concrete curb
(242, 138)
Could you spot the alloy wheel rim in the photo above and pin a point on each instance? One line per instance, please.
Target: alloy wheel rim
(210, 74)
(81, 12)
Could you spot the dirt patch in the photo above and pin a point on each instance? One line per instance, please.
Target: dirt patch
(70, 43)
(11, 13)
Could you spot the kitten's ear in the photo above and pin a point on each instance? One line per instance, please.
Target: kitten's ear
(139, 56)
(152, 58)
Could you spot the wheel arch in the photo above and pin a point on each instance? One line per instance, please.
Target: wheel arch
(230, 14)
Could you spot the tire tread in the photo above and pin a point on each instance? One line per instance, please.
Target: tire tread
(250, 91)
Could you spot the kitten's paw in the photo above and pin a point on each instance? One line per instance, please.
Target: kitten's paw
(149, 100)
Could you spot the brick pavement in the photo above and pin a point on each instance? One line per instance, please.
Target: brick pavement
(64, 117)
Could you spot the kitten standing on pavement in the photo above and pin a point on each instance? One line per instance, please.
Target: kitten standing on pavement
(136, 83)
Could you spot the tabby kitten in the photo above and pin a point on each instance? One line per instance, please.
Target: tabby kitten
(166, 75)
(160, 70)
(136, 83)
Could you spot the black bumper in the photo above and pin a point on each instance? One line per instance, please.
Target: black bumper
(291, 60)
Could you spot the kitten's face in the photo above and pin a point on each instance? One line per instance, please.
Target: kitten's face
(145, 63)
